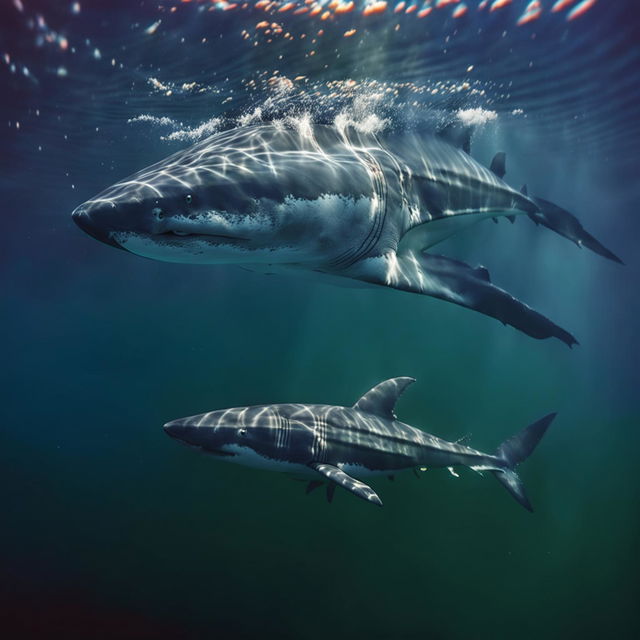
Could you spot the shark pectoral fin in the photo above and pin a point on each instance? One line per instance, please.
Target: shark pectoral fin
(339, 477)
(457, 282)
(567, 225)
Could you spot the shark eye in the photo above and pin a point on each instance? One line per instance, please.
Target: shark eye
(242, 432)
(188, 198)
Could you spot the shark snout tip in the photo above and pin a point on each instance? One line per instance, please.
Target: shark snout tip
(171, 428)
(89, 219)
(79, 213)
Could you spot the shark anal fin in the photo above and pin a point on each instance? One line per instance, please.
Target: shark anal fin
(339, 477)
(457, 282)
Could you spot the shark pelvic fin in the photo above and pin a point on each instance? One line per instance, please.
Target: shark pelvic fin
(339, 477)
(313, 484)
(499, 164)
(381, 400)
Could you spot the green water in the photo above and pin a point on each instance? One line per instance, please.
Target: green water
(110, 514)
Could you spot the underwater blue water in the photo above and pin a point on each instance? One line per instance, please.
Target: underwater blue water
(111, 530)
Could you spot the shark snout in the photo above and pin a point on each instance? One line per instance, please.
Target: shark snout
(201, 437)
(96, 220)
(175, 429)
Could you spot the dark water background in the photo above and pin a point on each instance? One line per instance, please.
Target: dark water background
(111, 530)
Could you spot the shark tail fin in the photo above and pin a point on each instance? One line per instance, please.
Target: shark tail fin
(514, 451)
(566, 224)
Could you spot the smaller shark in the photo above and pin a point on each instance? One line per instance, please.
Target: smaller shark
(334, 444)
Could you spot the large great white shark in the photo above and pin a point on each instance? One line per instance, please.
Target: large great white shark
(333, 202)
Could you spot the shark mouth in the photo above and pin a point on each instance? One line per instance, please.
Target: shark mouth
(174, 235)
(182, 234)
(219, 453)
(183, 247)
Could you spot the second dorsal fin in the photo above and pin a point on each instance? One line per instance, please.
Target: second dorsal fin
(382, 399)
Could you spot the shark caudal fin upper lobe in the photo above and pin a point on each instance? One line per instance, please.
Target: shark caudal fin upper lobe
(514, 451)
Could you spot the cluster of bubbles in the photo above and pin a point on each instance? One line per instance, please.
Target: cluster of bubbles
(369, 105)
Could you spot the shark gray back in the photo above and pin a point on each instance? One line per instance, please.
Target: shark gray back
(329, 202)
(340, 445)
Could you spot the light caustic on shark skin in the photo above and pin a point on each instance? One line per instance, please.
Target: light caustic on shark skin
(333, 444)
(330, 201)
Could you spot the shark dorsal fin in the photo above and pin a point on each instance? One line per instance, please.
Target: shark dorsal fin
(499, 164)
(382, 399)
(458, 135)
